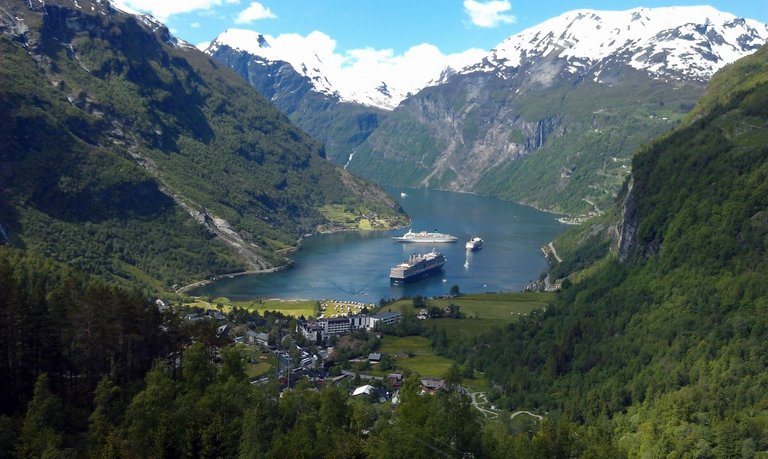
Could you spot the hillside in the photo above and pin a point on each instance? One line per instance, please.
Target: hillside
(340, 125)
(659, 349)
(133, 155)
(553, 114)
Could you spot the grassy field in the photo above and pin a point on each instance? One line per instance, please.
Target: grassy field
(257, 362)
(483, 311)
(426, 364)
(424, 361)
(405, 344)
(293, 308)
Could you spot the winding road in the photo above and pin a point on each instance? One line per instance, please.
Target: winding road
(479, 399)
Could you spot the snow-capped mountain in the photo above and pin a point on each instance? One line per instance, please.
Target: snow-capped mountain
(552, 115)
(679, 42)
(306, 62)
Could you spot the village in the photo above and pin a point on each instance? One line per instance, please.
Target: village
(367, 350)
(339, 348)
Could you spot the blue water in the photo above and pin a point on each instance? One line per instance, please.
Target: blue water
(355, 266)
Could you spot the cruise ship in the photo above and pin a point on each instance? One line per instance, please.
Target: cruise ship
(417, 266)
(474, 244)
(424, 236)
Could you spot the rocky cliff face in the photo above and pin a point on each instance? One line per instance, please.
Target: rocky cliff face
(531, 135)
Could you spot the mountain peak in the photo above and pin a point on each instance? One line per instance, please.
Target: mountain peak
(686, 42)
(241, 40)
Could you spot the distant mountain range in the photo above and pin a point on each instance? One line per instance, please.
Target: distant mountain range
(549, 117)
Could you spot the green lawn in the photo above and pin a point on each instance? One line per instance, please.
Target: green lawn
(426, 364)
(499, 307)
(464, 328)
(391, 344)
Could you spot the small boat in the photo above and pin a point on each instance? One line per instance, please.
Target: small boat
(402, 195)
(474, 244)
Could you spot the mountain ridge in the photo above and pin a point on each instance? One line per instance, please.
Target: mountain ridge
(664, 41)
(306, 63)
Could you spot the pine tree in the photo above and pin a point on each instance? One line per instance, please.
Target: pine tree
(40, 432)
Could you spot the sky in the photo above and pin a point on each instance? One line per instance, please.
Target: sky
(451, 25)
(390, 35)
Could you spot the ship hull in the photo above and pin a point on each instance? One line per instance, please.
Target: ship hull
(425, 237)
(417, 276)
(417, 266)
(428, 240)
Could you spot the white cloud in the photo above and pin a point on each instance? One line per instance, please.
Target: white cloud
(358, 71)
(407, 72)
(254, 12)
(162, 10)
(195, 25)
(489, 14)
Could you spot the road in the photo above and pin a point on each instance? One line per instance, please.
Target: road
(554, 252)
(516, 413)
(477, 404)
(479, 399)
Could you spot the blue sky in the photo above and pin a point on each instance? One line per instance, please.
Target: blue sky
(452, 26)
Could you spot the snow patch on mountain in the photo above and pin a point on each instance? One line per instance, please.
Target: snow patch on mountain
(683, 42)
(371, 77)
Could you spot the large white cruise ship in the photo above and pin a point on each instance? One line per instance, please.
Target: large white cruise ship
(416, 267)
(424, 236)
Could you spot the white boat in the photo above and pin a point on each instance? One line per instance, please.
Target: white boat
(402, 195)
(425, 236)
(474, 244)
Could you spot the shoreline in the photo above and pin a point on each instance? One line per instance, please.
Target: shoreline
(202, 283)
(546, 211)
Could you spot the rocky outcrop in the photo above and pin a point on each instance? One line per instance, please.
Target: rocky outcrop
(627, 227)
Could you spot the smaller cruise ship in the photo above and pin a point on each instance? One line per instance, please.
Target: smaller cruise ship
(474, 244)
(425, 236)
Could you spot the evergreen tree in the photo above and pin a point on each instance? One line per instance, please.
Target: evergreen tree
(41, 434)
